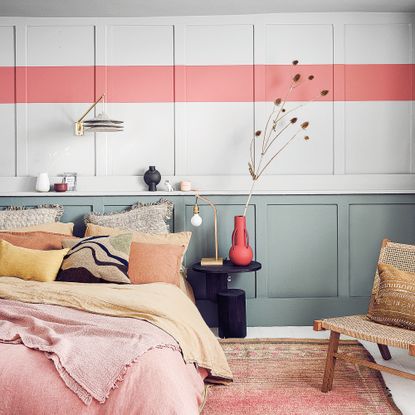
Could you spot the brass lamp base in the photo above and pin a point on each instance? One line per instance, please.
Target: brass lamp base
(207, 262)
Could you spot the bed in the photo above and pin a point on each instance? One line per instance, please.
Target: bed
(73, 348)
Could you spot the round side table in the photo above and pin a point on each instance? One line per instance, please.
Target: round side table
(231, 302)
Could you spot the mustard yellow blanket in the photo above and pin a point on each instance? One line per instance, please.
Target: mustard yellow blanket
(163, 305)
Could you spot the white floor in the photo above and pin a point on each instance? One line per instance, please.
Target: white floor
(403, 390)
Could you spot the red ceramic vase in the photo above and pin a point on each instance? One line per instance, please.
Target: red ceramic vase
(240, 252)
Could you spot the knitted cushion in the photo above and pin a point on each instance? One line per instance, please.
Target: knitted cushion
(15, 217)
(149, 218)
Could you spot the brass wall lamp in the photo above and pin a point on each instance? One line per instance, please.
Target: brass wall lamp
(100, 123)
(197, 221)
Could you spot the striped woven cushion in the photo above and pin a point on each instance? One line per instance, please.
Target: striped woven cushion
(96, 259)
(395, 302)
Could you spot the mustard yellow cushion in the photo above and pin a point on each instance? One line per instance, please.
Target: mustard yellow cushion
(30, 264)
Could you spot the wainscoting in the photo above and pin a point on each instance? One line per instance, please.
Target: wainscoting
(192, 91)
(318, 252)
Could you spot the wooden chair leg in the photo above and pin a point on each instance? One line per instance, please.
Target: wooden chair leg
(330, 362)
(384, 351)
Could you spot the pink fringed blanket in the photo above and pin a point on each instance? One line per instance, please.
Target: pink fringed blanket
(91, 352)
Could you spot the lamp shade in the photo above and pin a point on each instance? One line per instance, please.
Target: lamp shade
(102, 123)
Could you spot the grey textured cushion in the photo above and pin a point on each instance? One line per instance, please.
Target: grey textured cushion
(148, 218)
(15, 217)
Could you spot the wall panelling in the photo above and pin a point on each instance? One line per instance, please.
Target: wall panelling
(318, 252)
(192, 90)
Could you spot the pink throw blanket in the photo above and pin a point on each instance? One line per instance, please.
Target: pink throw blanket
(91, 352)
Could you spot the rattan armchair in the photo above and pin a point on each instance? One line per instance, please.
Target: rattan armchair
(362, 328)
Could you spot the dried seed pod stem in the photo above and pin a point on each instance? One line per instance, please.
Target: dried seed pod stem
(276, 154)
(281, 109)
(292, 121)
(272, 132)
(316, 97)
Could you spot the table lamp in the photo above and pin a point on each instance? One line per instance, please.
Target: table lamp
(197, 221)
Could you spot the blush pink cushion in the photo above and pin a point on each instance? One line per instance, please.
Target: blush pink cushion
(155, 263)
(35, 240)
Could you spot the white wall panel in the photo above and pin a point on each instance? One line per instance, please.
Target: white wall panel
(60, 45)
(225, 44)
(149, 127)
(140, 45)
(310, 44)
(378, 43)
(52, 145)
(8, 134)
(378, 136)
(314, 156)
(218, 138)
(148, 139)
(217, 135)
(7, 110)
(7, 46)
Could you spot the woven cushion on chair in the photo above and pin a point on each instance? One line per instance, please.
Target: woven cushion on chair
(395, 301)
(360, 327)
(401, 256)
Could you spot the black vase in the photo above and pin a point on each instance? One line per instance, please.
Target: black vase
(152, 178)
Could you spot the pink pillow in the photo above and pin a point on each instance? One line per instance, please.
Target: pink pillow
(155, 263)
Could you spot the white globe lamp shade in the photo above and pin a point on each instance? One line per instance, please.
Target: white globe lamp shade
(196, 220)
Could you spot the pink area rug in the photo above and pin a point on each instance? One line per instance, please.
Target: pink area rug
(283, 376)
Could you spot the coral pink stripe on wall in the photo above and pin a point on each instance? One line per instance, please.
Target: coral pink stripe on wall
(215, 83)
(7, 84)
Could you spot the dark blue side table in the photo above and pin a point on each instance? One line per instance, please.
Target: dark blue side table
(231, 302)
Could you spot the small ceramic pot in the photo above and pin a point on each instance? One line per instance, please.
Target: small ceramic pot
(185, 186)
(60, 187)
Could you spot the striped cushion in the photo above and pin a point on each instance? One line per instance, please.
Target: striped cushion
(96, 259)
(395, 301)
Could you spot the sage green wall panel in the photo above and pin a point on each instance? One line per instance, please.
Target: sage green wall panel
(202, 243)
(369, 225)
(302, 250)
(76, 214)
(301, 311)
(318, 251)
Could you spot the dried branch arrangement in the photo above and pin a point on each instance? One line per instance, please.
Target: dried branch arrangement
(277, 130)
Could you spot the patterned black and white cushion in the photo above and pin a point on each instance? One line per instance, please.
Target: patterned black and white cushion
(97, 259)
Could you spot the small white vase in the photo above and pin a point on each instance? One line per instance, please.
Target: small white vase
(43, 183)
